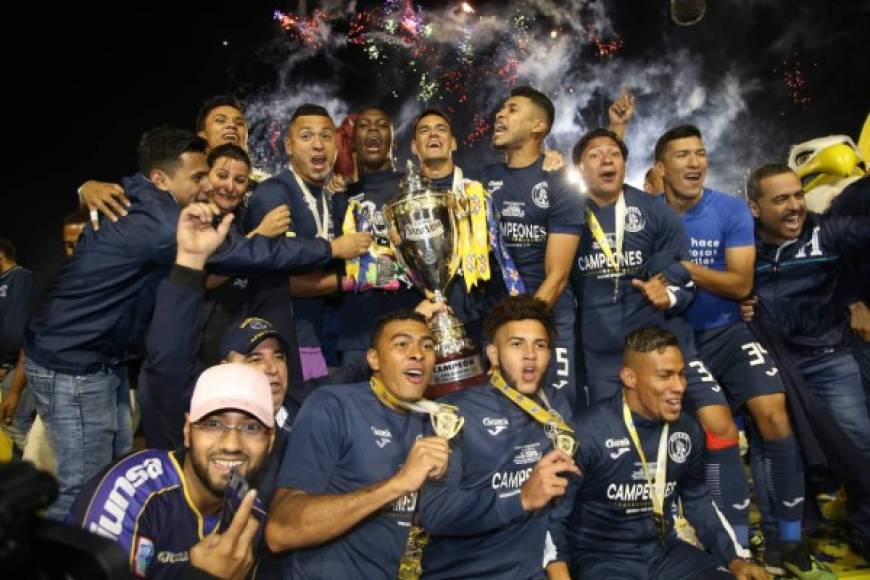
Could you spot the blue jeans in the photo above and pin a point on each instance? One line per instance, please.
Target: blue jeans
(87, 419)
(835, 380)
(22, 421)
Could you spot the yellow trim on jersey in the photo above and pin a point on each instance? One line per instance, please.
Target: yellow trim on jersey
(133, 542)
(180, 471)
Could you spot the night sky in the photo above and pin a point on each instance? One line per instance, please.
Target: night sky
(87, 82)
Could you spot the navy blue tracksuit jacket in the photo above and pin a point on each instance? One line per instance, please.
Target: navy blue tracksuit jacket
(102, 301)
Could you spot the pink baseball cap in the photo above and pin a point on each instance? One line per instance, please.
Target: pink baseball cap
(233, 386)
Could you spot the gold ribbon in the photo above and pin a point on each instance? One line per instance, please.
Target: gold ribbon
(446, 420)
(557, 430)
(657, 484)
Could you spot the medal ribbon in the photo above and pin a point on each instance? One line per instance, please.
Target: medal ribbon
(424, 406)
(614, 254)
(321, 220)
(538, 413)
(657, 485)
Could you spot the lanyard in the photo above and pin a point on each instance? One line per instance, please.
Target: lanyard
(556, 429)
(321, 220)
(601, 237)
(445, 419)
(657, 485)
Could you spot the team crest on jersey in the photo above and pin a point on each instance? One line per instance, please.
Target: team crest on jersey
(143, 555)
(539, 195)
(634, 221)
(3, 291)
(679, 447)
(240, 283)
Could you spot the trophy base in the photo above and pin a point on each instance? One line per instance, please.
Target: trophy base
(455, 372)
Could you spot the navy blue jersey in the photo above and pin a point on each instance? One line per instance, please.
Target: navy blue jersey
(282, 189)
(796, 282)
(141, 503)
(345, 439)
(532, 203)
(373, 190)
(653, 242)
(715, 224)
(474, 516)
(16, 299)
(102, 301)
(612, 510)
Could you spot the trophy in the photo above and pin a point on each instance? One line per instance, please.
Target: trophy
(424, 232)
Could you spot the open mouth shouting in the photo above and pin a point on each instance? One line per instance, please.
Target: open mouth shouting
(693, 179)
(414, 374)
(231, 137)
(499, 129)
(373, 143)
(318, 163)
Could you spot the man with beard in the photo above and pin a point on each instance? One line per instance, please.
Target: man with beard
(800, 259)
(722, 246)
(355, 459)
(632, 277)
(310, 144)
(163, 507)
(637, 453)
(383, 292)
(540, 220)
(489, 516)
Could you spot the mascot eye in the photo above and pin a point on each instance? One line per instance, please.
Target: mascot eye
(802, 158)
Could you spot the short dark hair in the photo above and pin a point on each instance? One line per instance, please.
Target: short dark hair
(540, 100)
(75, 217)
(397, 315)
(431, 111)
(520, 307)
(213, 103)
(309, 110)
(650, 338)
(162, 148)
(673, 134)
(229, 150)
(583, 143)
(7, 249)
(753, 184)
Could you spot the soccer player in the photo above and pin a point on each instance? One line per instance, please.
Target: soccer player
(355, 460)
(540, 219)
(638, 452)
(489, 516)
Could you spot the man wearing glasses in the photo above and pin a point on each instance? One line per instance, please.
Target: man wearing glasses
(164, 507)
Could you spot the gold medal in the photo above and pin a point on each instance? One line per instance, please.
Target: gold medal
(447, 422)
(560, 438)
